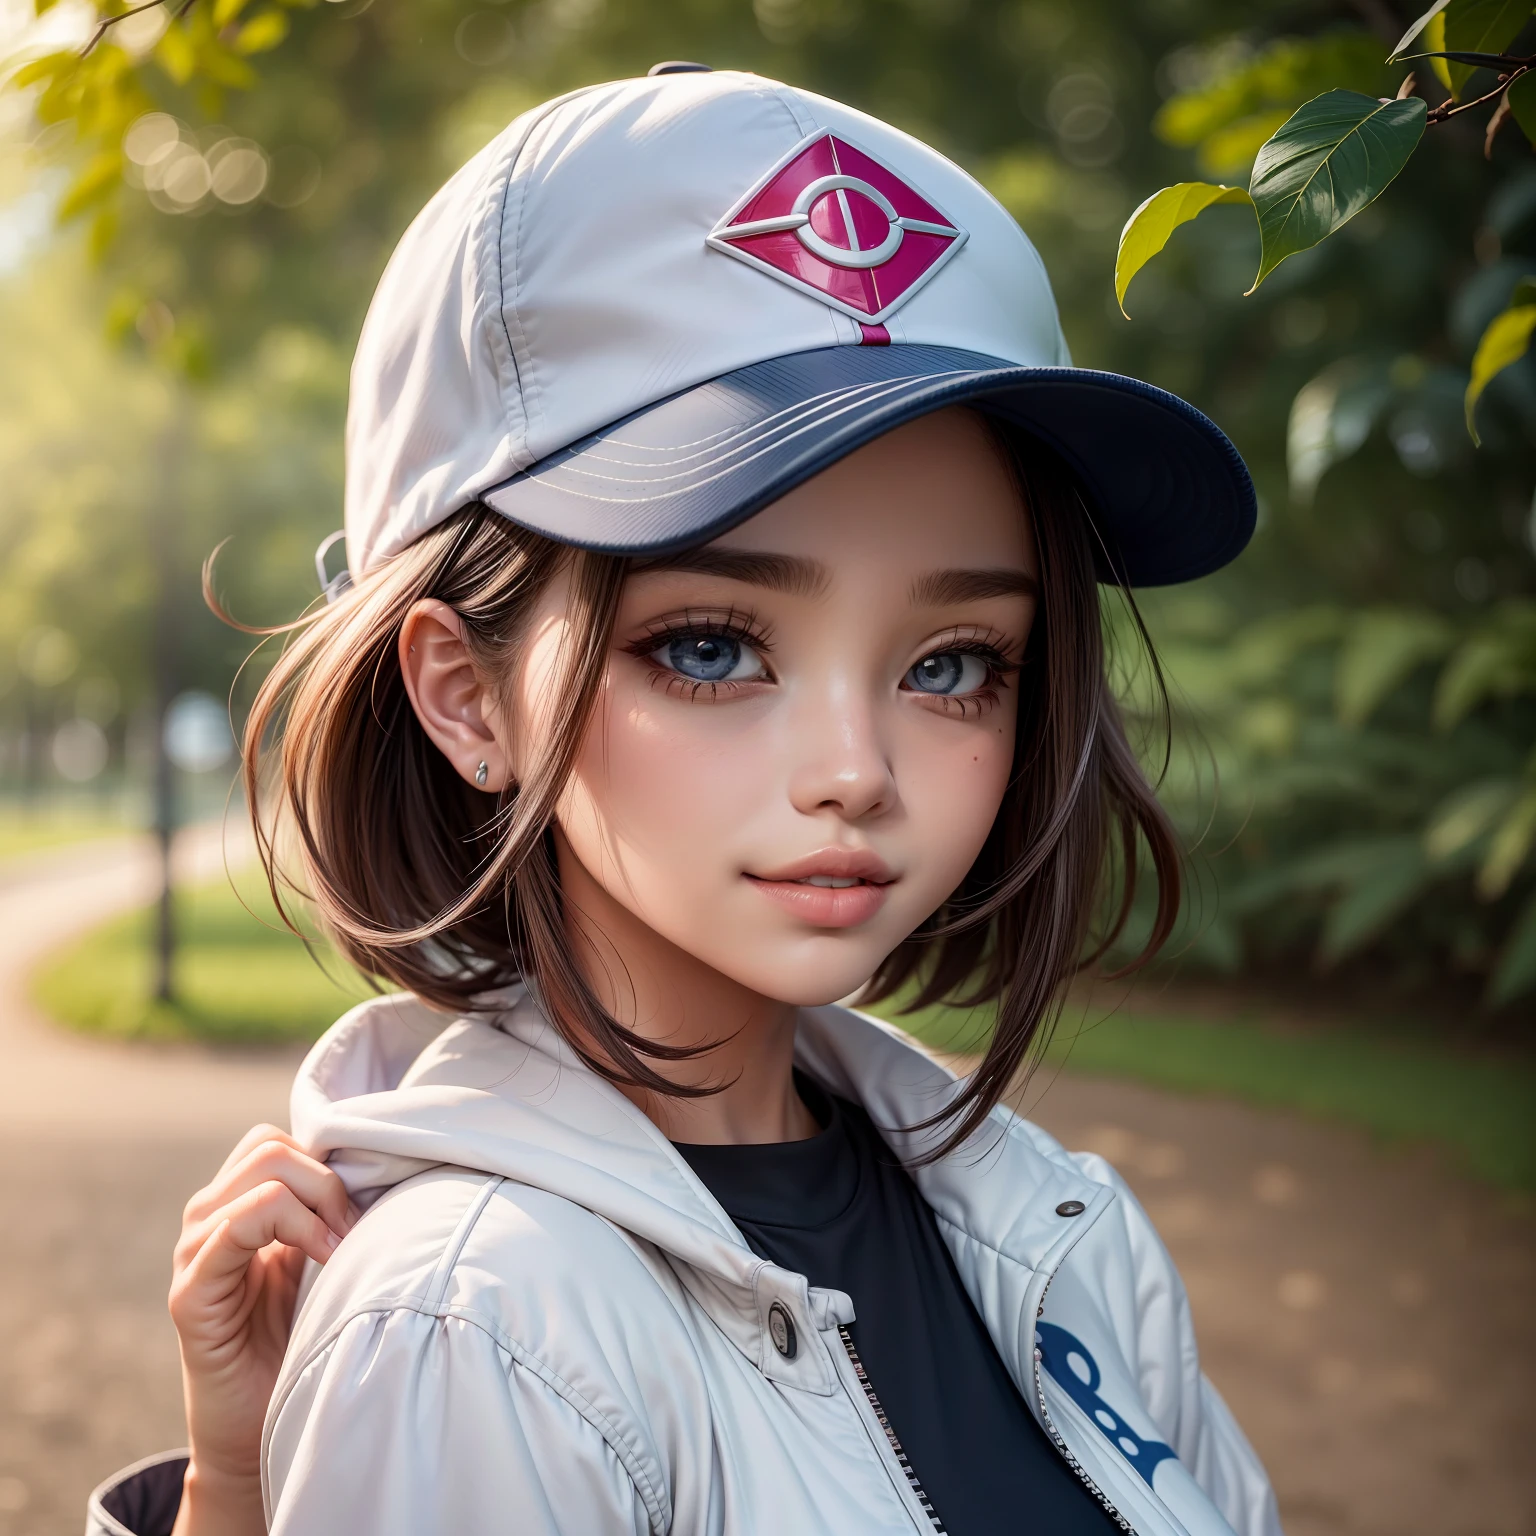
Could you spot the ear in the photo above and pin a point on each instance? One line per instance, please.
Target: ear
(455, 707)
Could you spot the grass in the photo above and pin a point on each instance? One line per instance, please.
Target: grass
(240, 979)
(26, 830)
(1482, 1111)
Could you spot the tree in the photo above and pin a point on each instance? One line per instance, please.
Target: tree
(1341, 378)
(1472, 814)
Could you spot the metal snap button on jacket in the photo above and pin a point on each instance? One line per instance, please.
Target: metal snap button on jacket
(781, 1329)
(1071, 1208)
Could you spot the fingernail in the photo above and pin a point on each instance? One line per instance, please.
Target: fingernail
(331, 1240)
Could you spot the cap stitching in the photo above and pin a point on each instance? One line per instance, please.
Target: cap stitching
(511, 228)
(805, 124)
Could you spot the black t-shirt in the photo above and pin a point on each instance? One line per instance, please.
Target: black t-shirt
(838, 1209)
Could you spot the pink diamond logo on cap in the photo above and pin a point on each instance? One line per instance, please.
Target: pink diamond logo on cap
(835, 223)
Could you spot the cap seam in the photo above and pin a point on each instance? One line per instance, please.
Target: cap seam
(509, 237)
(506, 170)
(805, 124)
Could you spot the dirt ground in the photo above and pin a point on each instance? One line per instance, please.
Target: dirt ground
(1366, 1313)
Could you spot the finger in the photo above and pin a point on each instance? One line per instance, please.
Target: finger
(253, 1138)
(270, 1214)
(315, 1184)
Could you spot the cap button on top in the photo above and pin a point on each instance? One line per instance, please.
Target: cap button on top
(781, 1329)
(1071, 1208)
(680, 67)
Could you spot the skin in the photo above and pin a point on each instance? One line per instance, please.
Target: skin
(693, 814)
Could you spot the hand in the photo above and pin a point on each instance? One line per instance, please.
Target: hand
(244, 1239)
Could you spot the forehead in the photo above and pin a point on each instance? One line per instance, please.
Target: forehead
(934, 492)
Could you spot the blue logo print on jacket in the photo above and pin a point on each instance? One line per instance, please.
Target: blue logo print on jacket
(1076, 1371)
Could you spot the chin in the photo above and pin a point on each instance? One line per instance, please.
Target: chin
(811, 985)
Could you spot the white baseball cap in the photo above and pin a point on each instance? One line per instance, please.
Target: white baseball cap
(647, 309)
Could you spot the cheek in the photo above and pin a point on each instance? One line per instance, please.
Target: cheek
(659, 791)
(952, 787)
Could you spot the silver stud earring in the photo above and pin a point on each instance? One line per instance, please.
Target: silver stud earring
(482, 773)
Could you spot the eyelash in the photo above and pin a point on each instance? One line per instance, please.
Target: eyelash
(733, 624)
(985, 645)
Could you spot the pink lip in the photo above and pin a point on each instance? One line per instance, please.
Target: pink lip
(827, 906)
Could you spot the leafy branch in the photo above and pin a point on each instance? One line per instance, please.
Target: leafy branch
(104, 87)
(106, 23)
(1338, 152)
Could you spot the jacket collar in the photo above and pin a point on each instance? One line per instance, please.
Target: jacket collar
(388, 1092)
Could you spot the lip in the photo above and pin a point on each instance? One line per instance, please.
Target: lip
(826, 906)
(838, 863)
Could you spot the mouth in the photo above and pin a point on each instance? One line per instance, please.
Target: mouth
(832, 888)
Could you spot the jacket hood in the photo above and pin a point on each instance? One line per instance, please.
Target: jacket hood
(394, 1088)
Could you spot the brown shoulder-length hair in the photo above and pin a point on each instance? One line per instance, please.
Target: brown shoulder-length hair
(423, 881)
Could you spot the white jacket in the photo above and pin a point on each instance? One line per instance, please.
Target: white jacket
(545, 1325)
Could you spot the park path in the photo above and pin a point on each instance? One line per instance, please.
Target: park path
(55, 1084)
(1365, 1311)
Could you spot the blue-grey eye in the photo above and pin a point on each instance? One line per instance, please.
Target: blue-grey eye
(948, 673)
(710, 659)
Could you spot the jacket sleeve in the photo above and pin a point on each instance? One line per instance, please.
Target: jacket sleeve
(1184, 1405)
(407, 1424)
(141, 1500)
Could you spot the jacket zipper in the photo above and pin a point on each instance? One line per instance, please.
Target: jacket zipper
(890, 1434)
(1061, 1444)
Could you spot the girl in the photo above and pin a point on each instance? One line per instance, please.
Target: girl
(724, 523)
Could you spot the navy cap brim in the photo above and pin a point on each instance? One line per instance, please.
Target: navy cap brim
(1170, 496)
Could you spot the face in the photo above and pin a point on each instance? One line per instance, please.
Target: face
(806, 726)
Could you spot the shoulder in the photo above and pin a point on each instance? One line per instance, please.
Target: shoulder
(533, 1269)
(469, 1299)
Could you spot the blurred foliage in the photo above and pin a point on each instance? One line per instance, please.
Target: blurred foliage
(1353, 701)
(1384, 771)
(243, 979)
(1402, 1086)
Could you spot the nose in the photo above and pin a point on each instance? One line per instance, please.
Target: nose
(841, 763)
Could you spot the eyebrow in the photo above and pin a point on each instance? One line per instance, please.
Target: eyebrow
(939, 588)
(799, 577)
(790, 574)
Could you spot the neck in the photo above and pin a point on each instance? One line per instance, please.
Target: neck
(664, 994)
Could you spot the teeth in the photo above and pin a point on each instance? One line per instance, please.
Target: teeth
(831, 882)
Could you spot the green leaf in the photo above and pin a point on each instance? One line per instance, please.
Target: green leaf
(1381, 650)
(1232, 148)
(95, 183)
(1506, 341)
(220, 67)
(1229, 117)
(1467, 815)
(1516, 970)
(226, 11)
(1480, 26)
(103, 233)
(1147, 230)
(1521, 97)
(175, 53)
(1418, 26)
(44, 68)
(1386, 878)
(1495, 61)
(1498, 661)
(1334, 155)
(262, 32)
(1331, 418)
(1434, 37)
(1509, 847)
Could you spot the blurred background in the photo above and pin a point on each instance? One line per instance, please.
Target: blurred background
(1325, 1094)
